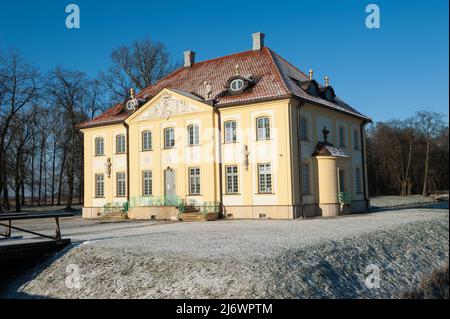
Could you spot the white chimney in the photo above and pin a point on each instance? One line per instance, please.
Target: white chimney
(189, 58)
(258, 41)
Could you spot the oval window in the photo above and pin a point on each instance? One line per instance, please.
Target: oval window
(236, 85)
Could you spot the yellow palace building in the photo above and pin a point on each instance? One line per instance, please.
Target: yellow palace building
(247, 135)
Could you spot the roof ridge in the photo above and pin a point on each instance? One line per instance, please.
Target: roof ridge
(279, 73)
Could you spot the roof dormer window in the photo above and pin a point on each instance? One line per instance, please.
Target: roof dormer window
(236, 85)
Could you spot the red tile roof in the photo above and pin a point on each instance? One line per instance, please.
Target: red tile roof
(276, 78)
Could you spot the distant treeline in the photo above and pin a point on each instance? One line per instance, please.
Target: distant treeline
(408, 156)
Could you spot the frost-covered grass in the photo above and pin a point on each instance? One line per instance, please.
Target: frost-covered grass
(396, 201)
(318, 258)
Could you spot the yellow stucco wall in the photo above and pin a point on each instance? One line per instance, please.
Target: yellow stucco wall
(281, 151)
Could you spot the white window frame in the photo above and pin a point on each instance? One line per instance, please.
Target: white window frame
(120, 144)
(265, 180)
(169, 137)
(121, 183)
(236, 85)
(232, 179)
(193, 135)
(146, 140)
(99, 146)
(194, 181)
(263, 129)
(147, 183)
(230, 134)
(99, 185)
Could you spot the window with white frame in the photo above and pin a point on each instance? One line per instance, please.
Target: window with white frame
(99, 146)
(147, 183)
(356, 140)
(169, 137)
(194, 181)
(341, 136)
(121, 184)
(231, 179)
(120, 143)
(99, 185)
(305, 179)
(230, 132)
(146, 140)
(263, 128)
(193, 135)
(304, 128)
(264, 178)
(358, 188)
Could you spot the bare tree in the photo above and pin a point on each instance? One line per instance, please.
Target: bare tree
(139, 66)
(430, 124)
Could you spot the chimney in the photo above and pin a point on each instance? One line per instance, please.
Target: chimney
(189, 58)
(258, 41)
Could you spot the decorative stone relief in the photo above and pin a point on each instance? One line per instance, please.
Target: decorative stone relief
(108, 167)
(245, 155)
(169, 106)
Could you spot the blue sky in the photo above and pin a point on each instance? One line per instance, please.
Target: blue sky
(385, 73)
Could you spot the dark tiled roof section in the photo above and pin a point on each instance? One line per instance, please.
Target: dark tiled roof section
(290, 72)
(258, 64)
(275, 78)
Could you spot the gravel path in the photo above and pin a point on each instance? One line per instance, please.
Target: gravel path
(316, 258)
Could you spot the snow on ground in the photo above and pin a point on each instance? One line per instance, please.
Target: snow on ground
(395, 201)
(316, 258)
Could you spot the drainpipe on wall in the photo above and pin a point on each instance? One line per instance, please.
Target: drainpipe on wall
(219, 141)
(128, 161)
(363, 158)
(299, 141)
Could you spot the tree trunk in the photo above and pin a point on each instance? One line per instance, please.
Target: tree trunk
(61, 170)
(5, 192)
(425, 177)
(22, 189)
(53, 170)
(70, 180)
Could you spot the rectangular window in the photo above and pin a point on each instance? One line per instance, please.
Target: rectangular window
(193, 135)
(231, 179)
(194, 181)
(263, 128)
(264, 178)
(341, 180)
(146, 141)
(355, 139)
(121, 183)
(305, 179)
(230, 132)
(120, 143)
(303, 128)
(169, 138)
(341, 136)
(99, 146)
(358, 187)
(147, 181)
(99, 185)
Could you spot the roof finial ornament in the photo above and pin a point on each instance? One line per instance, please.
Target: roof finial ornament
(327, 81)
(132, 93)
(325, 133)
(236, 67)
(208, 89)
(311, 72)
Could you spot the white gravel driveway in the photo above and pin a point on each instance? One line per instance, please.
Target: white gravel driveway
(315, 258)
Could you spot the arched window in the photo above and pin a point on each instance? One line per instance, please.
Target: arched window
(120, 143)
(193, 135)
(99, 146)
(263, 128)
(169, 137)
(146, 140)
(230, 132)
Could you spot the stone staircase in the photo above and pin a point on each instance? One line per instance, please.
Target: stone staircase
(193, 214)
(113, 215)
